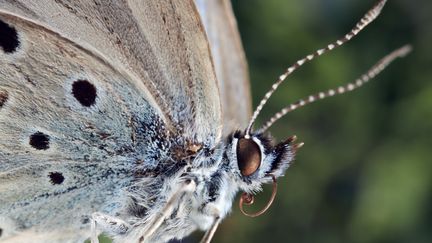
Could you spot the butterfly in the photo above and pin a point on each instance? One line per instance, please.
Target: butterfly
(133, 118)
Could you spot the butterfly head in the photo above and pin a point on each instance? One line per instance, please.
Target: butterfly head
(256, 158)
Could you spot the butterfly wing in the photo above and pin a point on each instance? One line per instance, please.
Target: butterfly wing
(68, 124)
(81, 98)
(161, 43)
(230, 62)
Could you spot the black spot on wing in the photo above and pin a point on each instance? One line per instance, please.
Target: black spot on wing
(9, 41)
(85, 92)
(56, 178)
(39, 141)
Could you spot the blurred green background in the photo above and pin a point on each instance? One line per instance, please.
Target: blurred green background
(365, 172)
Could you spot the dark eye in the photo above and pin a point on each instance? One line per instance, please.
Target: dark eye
(248, 156)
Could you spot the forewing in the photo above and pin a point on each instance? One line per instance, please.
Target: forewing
(230, 62)
(160, 43)
(71, 126)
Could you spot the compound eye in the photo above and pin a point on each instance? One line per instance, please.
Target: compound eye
(248, 156)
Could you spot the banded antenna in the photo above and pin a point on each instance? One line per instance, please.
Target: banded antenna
(371, 73)
(367, 19)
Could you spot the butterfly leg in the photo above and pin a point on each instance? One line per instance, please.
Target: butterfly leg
(188, 186)
(108, 224)
(208, 236)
